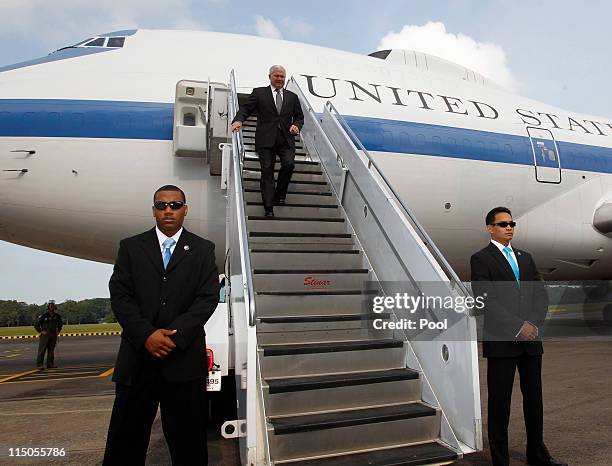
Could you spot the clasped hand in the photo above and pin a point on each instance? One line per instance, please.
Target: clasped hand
(528, 331)
(159, 343)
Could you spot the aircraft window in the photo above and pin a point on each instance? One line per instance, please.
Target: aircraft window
(494, 146)
(116, 42)
(99, 42)
(405, 139)
(436, 140)
(82, 42)
(420, 140)
(189, 119)
(382, 54)
(508, 148)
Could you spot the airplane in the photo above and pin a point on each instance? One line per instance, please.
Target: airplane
(92, 125)
(88, 132)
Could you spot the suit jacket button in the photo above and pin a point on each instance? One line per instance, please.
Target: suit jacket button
(163, 303)
(164, 279)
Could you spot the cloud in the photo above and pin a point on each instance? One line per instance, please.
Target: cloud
(62, 22)
(297, 27)
(266, 28)
(485, 58)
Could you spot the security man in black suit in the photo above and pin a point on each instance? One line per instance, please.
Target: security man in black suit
(163, 289)
(515, 308)
(279, 119)
(49, 325)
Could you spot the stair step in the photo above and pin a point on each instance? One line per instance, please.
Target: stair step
(329, 347)
(294, 384)
(322, 240)
(296, 210)
(325, 358)
(336, 432)
(300, 225)
(409, 455)
(294, 187)
(304, 166)
(330, 327)
(283, 303)
(301, 395)
(298, 170)
(294, 197)
(353, 417)
(309, 279)
(295, 181)
(288, 334)
(254, 159)
(302, 176)
(323, 318)
(293, 259)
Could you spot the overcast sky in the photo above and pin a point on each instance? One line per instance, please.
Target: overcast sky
(553, 51)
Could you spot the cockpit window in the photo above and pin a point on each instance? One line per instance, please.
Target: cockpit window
(82, 42)
(115, 42)
(98, 42)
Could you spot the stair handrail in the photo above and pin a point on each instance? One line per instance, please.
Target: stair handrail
(418, 227)
(238, 154)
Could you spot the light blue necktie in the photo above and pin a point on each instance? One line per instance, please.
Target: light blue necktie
(167, 251)
(513, 264)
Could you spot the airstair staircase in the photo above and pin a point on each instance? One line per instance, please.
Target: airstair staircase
(332, 389)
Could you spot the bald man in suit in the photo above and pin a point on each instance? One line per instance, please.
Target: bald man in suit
(279, 120)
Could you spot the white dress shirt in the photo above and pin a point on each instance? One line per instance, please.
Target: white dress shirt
(501, 248)
(274, 93)
(161, 238)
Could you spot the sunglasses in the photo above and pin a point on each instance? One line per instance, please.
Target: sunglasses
(504, 224)
(174, 205)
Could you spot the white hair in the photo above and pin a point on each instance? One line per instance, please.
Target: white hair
(273, 67)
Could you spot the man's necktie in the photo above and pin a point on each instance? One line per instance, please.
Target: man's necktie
(279, 101)
(513, 264)
(167, 251)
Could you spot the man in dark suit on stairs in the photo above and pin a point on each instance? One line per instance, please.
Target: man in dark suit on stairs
(515, 308)
(163, 289)
(279, 119)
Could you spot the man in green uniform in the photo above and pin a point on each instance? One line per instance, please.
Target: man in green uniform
(49, 325)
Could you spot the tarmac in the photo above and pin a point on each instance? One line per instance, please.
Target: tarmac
(69, 407)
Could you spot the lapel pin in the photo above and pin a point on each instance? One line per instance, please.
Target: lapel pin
(186, 248)
(519, 253)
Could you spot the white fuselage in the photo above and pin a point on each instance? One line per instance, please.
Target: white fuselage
(452, 146)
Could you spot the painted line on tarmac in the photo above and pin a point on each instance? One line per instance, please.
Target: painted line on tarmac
(52, 380)
(65, 373)
(81, 334)
(55, 413)
(14, 376)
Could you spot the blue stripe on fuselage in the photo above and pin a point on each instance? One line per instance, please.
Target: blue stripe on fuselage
(154, 120)
(405, 137)
(86, 119)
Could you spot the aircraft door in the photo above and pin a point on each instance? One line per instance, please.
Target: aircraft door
(191, 119)
(546, 159)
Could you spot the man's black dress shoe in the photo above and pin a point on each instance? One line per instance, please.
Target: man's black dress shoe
(269, 214)
(550, 461)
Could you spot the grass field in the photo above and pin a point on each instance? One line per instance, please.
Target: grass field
(84, 328)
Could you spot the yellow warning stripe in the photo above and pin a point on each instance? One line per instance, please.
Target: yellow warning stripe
(14, 376)
(51, 380)
(82, 334)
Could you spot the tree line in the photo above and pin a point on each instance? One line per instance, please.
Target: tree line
(88, 311)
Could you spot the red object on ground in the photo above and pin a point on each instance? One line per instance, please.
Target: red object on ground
(211, 358)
